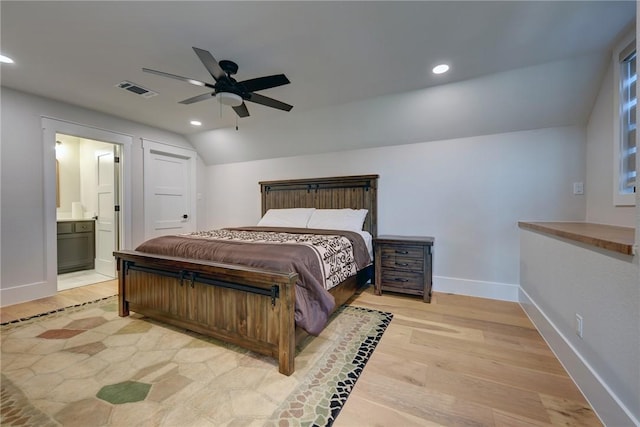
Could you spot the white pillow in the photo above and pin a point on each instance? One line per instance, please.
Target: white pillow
(338, 219)
(294, 217)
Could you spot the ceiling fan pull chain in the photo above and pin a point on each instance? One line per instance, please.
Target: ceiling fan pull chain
(236, 122)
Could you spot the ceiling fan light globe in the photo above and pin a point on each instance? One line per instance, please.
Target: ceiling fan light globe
(228, 98)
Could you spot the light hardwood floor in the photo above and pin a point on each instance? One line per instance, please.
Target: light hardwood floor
(461, 361)
(61, 299)
(458, 361)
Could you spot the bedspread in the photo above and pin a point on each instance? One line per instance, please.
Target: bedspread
(322, 259)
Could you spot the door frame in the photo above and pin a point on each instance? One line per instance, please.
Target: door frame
(149, 147)
(51, 127)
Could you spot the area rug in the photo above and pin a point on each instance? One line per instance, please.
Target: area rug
(85, 366)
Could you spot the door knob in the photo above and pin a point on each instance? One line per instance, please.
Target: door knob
(185, 216)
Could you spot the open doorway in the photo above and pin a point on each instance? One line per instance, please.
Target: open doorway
(88, 188)
(92, 218)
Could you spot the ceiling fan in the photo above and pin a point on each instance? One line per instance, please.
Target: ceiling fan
(227, 89)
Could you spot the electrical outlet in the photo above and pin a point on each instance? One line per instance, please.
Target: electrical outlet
(578, 188)
(578, 325)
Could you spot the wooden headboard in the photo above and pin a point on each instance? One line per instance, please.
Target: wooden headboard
(355, 192)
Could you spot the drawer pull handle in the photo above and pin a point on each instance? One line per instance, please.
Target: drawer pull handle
(399, 279)
(402, 264)
(402, 252)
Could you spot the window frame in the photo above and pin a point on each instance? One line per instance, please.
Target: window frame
(619, 198)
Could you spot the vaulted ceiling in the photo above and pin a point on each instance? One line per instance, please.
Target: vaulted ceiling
(332, 52)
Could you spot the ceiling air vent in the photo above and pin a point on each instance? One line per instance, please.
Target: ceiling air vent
(137, 89)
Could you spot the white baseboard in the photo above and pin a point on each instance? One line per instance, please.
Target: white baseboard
(476, 288)
(22, 293)
(608, 407)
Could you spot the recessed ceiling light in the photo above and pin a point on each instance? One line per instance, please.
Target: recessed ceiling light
(439, 69)
(195, 123)
(6, 59)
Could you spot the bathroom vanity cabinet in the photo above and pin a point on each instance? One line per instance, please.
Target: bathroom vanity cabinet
(76, 245)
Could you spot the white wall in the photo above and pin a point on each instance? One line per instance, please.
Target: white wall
(468, 193)
(22, 228)
(563, 278)
(560, 279)
(599, 181)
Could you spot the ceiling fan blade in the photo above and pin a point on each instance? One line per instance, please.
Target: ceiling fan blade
(198, 98)
(267, 82)
(184, 79)
(210, 63)
(269, 102)
(241, 110)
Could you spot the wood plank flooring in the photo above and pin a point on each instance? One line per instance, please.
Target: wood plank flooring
(458, 361)
(461, 361)
(62, 299)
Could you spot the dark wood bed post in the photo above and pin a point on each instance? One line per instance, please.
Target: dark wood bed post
(287, 337)
(123, 305)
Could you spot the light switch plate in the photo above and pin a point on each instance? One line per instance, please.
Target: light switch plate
(578, 188)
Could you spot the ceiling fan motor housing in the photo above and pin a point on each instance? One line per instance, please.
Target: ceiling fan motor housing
(229, 67)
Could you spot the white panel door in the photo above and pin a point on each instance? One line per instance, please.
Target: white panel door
(169, 200)
(105, 221)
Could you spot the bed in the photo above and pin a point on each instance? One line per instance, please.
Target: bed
(253, 308)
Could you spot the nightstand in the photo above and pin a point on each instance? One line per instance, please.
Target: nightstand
(403, 264)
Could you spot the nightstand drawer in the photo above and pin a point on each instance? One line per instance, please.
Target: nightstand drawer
(402, 281)
(402, 251)
(403, 263)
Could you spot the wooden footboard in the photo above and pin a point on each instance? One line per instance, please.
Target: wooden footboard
(251, 308)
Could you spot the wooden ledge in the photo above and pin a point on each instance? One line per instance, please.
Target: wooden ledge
(610, 237)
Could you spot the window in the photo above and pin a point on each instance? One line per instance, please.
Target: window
(626, 145)
(628, 149)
